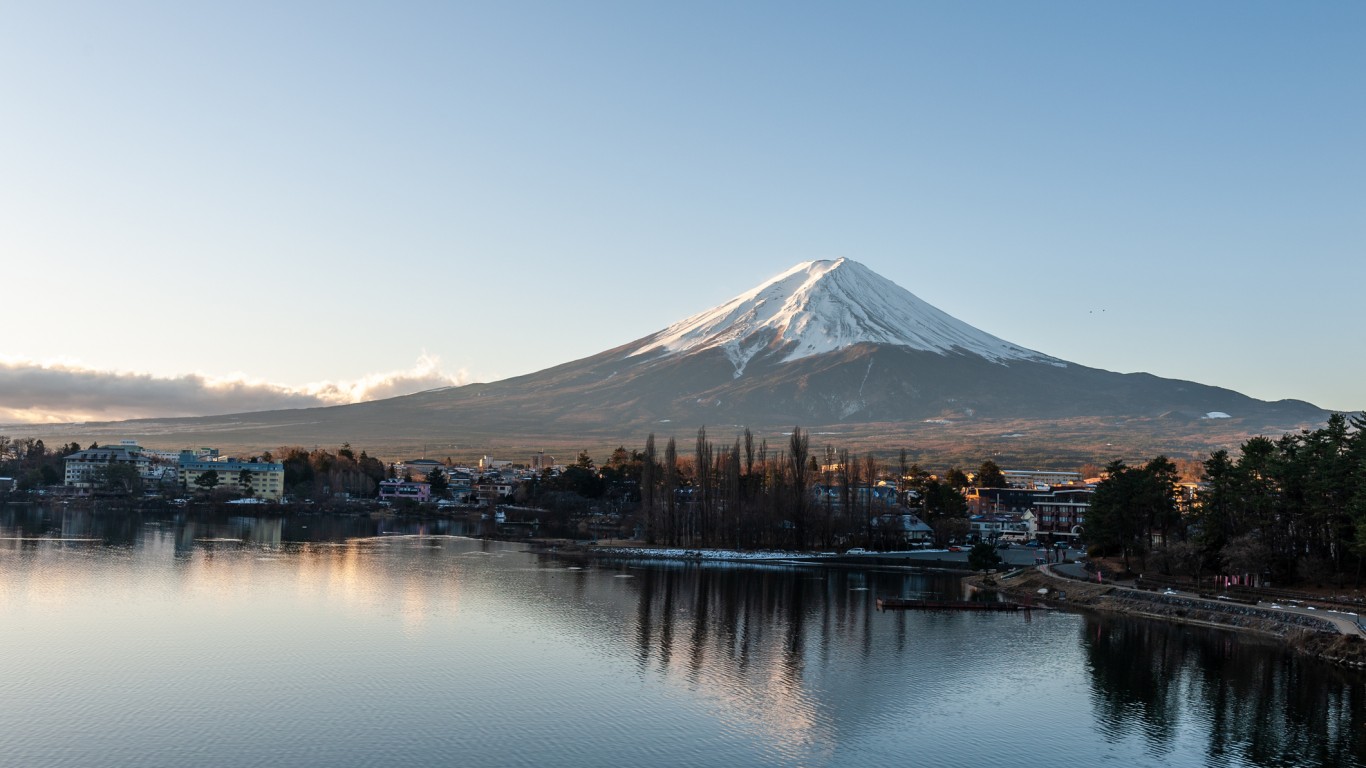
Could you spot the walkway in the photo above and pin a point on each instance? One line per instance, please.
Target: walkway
(1347, 623)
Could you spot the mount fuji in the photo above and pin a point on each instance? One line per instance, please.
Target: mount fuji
(828, 345)
(824, 306)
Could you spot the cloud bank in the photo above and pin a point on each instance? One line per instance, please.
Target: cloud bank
(33, 392)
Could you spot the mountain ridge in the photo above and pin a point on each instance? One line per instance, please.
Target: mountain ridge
(818, 307)
(828, 345)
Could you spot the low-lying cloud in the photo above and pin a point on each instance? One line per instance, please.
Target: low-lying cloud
(33, 392)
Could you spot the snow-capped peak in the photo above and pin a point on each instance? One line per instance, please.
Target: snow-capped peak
(823, 306)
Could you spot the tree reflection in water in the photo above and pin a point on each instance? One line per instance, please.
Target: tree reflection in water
(1263, 706)
(780, 665)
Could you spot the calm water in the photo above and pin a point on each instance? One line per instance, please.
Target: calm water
(337, 642)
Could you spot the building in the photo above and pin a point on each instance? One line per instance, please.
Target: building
(404, 489)
(487, 463)
(1027, 478)
(1060, 515)
(1002, 501)
(258, 479)
(491, 489)
(993, 528)
(86, 470)
(902, 529)
(416, 468)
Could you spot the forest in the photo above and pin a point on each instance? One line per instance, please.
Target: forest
(1287, 510)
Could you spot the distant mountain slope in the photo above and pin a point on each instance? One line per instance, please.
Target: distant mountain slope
(826, 343)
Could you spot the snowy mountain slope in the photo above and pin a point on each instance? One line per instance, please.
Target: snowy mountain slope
(823, 306)
(827, 344)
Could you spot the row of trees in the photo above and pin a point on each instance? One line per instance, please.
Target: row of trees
(743, 494)
(1293, 509)
(320, 474)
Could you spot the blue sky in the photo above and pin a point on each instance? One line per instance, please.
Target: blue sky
(343, 200)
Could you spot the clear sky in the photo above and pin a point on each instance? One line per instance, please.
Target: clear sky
(339, 200)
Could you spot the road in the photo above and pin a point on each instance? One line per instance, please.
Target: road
(1347, 623)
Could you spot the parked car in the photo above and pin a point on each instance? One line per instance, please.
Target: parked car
(1003, 545)
(1032, 543)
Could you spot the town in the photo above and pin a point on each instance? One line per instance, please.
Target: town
(868, 506)
(1287, 511)
(863, 507)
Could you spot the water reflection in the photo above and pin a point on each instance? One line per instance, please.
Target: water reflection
(125, 527)
(387, 642)
(1255, 704)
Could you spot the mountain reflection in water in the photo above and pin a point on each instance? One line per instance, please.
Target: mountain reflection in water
(339, 641)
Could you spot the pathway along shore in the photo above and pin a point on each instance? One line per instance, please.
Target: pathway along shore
(1328, 635)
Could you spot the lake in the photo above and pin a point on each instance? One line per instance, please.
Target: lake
(332, 641)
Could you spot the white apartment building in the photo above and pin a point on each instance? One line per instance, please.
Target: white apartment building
(83, 469)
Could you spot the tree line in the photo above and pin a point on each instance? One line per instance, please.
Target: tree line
(745, 494)
(1291, 509)
(31, 463)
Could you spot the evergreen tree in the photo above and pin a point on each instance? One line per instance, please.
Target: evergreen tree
(207, 480)
(438, 481)
(989, 475)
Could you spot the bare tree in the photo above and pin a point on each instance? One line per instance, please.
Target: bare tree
(870, 470)
(648, 509)
(671, 485)
(799, 446)
(702, 488)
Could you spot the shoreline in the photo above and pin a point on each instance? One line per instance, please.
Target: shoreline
(1326, 636)
(881, 560)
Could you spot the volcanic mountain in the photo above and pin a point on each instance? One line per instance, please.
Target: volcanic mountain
(826, 345)
(832, 342)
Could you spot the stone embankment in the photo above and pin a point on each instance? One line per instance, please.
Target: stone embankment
(1333, 638)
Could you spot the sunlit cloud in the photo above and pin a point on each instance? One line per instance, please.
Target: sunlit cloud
(58, 392)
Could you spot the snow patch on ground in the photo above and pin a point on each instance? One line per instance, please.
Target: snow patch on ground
(1217, 415)
(850, 409)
